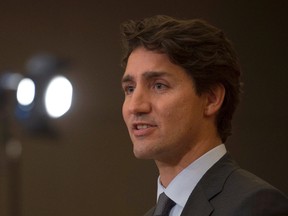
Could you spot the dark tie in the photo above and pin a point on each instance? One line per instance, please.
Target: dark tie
(164, 205)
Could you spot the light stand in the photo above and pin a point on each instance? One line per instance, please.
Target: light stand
(34, 116)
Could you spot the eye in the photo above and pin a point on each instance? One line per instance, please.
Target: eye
(128, 89)
(160, 86)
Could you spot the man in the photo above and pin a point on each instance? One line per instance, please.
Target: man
(181, 85)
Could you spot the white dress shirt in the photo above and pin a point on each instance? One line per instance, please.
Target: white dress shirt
(184, 183)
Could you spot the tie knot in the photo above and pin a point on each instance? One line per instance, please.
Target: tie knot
(164, 205)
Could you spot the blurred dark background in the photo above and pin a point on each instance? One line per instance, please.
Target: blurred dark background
(91, 164)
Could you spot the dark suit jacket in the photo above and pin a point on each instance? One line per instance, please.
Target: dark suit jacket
(227, 190)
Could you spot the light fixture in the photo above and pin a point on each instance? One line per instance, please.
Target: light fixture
(25, 92)
(43, 93)
(58, 96)
(39, 96)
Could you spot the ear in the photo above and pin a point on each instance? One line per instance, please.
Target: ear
(214, 99)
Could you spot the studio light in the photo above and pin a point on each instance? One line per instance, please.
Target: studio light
(32, 100)
(42, 93)
(25, 92)
(58, 96)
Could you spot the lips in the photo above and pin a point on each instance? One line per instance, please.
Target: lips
(141, 126)
(143, 129)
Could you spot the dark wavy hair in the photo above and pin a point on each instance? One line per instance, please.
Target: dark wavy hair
(200, 48)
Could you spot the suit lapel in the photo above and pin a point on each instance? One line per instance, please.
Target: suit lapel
(208, 187)
(198, 204)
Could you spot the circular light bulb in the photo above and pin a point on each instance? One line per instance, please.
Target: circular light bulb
(25, 92)
(58, 96)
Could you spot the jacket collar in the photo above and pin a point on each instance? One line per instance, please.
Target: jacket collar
(208, 187)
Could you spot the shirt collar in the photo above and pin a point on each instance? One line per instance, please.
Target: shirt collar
(184, 183)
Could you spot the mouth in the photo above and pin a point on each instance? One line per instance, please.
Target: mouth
(142, 126)
(143, 129)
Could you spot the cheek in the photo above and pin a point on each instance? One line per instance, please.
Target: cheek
(124, 112)
(175, 111)
(181, 112)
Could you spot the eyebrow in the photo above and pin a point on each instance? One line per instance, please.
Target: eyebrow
(147, 75)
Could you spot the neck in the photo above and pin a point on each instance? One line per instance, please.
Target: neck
(169, 168)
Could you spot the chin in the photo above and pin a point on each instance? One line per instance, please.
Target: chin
(142, 154)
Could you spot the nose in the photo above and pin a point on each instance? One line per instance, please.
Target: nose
(139, 102)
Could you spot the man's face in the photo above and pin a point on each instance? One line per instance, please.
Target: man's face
(163, 113)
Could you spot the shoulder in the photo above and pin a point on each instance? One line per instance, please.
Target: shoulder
(244, 183)
(248, 194)
(229, 176)
(228, 190)
(251, 195)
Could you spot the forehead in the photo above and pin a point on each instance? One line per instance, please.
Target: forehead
(145, 63)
